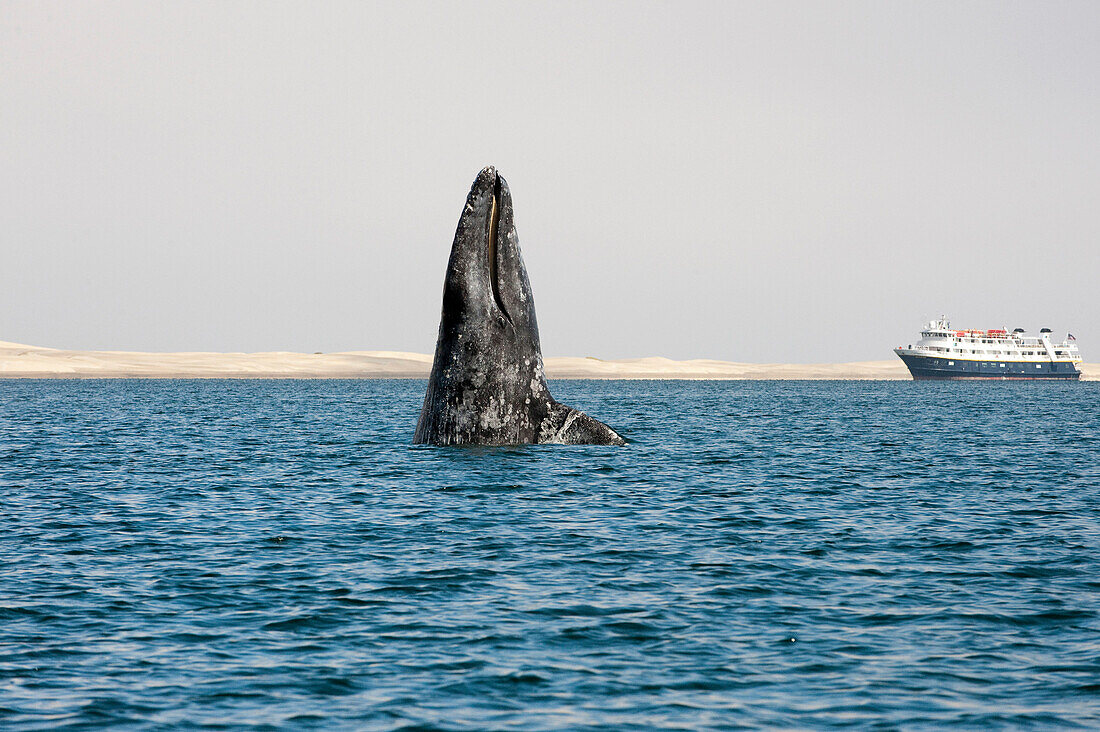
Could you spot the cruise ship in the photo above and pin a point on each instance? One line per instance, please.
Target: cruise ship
(945, 353)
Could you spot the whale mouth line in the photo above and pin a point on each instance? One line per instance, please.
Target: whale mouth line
(491, 248)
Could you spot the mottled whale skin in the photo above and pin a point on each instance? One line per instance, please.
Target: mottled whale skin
(487, 385)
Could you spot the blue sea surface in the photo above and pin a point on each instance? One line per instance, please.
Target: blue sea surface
(277, 555)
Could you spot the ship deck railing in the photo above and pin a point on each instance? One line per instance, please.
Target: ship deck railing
(993, 356)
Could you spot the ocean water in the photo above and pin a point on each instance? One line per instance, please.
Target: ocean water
(277, 555)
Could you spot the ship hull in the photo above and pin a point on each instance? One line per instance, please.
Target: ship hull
(930, 368)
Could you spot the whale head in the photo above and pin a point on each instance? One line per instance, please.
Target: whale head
(487, 302)
(487, 384)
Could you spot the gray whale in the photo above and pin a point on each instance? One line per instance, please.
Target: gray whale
(487, 385)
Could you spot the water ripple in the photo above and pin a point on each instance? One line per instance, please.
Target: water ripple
(242, 554)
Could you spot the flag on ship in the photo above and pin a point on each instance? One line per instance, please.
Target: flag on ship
(1070, 336)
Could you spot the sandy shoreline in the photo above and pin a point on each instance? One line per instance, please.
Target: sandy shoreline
(24, 361)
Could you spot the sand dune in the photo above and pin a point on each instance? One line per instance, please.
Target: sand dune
(33, 361)
(664, 368)
(23, 361)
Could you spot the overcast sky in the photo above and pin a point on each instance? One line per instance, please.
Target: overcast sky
(745, 181)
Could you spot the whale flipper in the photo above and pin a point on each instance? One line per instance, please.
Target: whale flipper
(567, 426)
(488, 385)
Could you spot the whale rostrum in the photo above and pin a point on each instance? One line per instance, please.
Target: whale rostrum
(487, 385)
